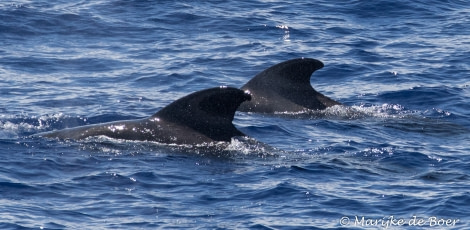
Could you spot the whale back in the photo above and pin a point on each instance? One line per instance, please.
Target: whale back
(200, 117)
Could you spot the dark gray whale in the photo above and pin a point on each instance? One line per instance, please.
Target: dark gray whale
(285, 87)
(201, 117)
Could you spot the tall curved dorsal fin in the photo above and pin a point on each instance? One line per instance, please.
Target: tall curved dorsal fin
(296, 71)
(209, 112)
(285, 87)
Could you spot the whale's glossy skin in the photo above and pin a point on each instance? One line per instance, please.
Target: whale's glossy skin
(201, 117)
(285, 87)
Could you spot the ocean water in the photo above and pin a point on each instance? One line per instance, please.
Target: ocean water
(396, 157)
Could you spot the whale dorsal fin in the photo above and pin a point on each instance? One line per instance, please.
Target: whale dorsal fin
(209, 112)
(286, 87)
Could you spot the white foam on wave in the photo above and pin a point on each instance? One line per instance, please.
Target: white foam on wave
(353, 112)
(250, 146)
(13, 126)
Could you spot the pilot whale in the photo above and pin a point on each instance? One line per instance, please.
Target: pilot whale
(201, 117)
(285, 87)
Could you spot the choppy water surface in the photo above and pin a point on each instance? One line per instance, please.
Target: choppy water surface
(396, 157)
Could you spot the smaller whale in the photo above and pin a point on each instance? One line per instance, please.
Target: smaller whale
(285, 87)
(201, 117)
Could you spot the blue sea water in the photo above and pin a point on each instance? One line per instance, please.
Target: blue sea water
(396, 157)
